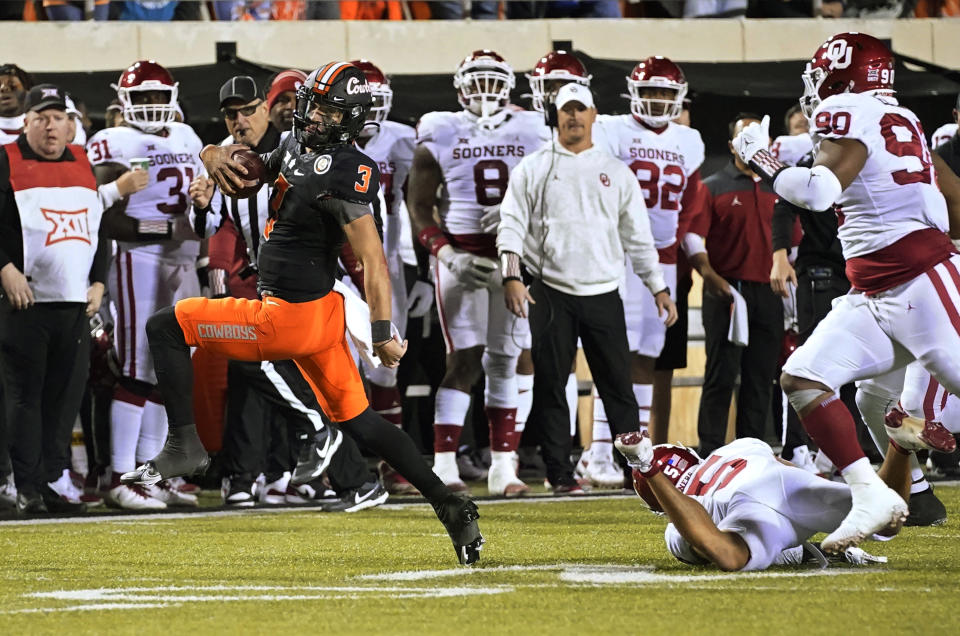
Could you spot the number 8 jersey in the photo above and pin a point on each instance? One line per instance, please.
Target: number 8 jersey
(174, 162)
(895, 192)
(476, 164)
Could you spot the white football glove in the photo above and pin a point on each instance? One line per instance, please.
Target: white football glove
(475, 272)
(490, 219)
(752, 139)
(637, 448)
(419, 299)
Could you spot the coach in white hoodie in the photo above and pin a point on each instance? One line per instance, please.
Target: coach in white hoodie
(570, 213)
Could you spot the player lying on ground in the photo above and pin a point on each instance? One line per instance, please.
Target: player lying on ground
(742, 508)
(325, 191)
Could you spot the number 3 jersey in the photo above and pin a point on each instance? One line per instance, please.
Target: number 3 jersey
(663, 162)
(476, 163)
(895, 192)
(174, 161)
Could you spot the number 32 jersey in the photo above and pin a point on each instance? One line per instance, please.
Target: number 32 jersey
(174, 162)
(476, 163)
(663, 162)
(895, 192)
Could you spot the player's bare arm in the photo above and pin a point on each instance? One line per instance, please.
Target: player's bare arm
(949, 184)
(713, 283)
(845, 158)
(424, 180)
(366, 245)
(225, 171)
(727, 550)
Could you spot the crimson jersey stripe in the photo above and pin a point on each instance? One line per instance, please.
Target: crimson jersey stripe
(945, 298)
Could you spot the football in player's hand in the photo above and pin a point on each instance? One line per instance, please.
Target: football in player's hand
(255, 171)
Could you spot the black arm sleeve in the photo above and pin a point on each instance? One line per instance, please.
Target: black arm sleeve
(101, 258)
(784, 217)
(11, 237)
(271, 161)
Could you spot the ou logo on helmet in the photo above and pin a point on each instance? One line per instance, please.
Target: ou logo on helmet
(839, 53)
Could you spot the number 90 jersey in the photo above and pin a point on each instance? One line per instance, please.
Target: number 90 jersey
(476, 162)
(174, 162)
(895, 192)
(662, 161)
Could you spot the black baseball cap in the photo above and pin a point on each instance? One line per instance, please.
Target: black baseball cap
(44, 96)
(240, 87)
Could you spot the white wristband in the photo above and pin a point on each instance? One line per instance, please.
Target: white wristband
(109, 194)
(693, 244)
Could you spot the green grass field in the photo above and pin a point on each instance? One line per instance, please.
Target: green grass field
(594, 565)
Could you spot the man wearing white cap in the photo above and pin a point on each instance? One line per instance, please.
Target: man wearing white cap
(570, 213)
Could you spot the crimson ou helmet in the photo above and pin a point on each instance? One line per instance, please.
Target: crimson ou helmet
(104, 366)
(143, 76)
(483, 81)
(379, 89)
(846, 63)
(656, 72)
(674, 461)
(338, 87)
(559, 67)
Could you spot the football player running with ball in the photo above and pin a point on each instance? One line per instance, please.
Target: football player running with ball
(872, 160)
(325, 192)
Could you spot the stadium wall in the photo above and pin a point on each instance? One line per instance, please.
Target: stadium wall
(437, 46)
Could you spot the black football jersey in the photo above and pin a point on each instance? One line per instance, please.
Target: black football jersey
(314, 196)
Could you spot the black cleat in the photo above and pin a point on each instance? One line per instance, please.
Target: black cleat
(183, 455)
(30, 504)
(366, 496)
(315, 456)
(814, 556)
(459, 516)
(926, 509)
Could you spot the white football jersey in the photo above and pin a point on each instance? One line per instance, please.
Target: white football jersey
(942, 135)
(174, 162)
(392, 148)
(896, 192)
(476, 162)
(10, 128)
(662, 162)
(790, 149)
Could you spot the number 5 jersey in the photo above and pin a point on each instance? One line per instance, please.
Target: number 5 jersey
(174, 161)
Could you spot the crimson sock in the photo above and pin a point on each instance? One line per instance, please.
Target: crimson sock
(385, 401)
(503, 429)
(832, 428)
(446, 438)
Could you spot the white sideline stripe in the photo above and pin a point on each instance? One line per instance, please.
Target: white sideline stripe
(160, 596)
(599, 577)
(419, 575)
(165, 516)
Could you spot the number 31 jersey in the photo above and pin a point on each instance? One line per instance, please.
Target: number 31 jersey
(174, 162)
(895, 192)
(662, 161)
(476, 162)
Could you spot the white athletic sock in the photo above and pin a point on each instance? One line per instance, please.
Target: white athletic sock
(644, 396)
(918, 481)
(860, 473)
(125, 419)
(153, 431)
(573, 400)
(451, 406)
(445, 463)
(524, 400)
(601, 426)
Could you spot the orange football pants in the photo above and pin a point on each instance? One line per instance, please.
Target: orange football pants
(312, 333)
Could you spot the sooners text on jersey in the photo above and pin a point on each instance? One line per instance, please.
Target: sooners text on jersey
(476, 162)
(662, 161)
